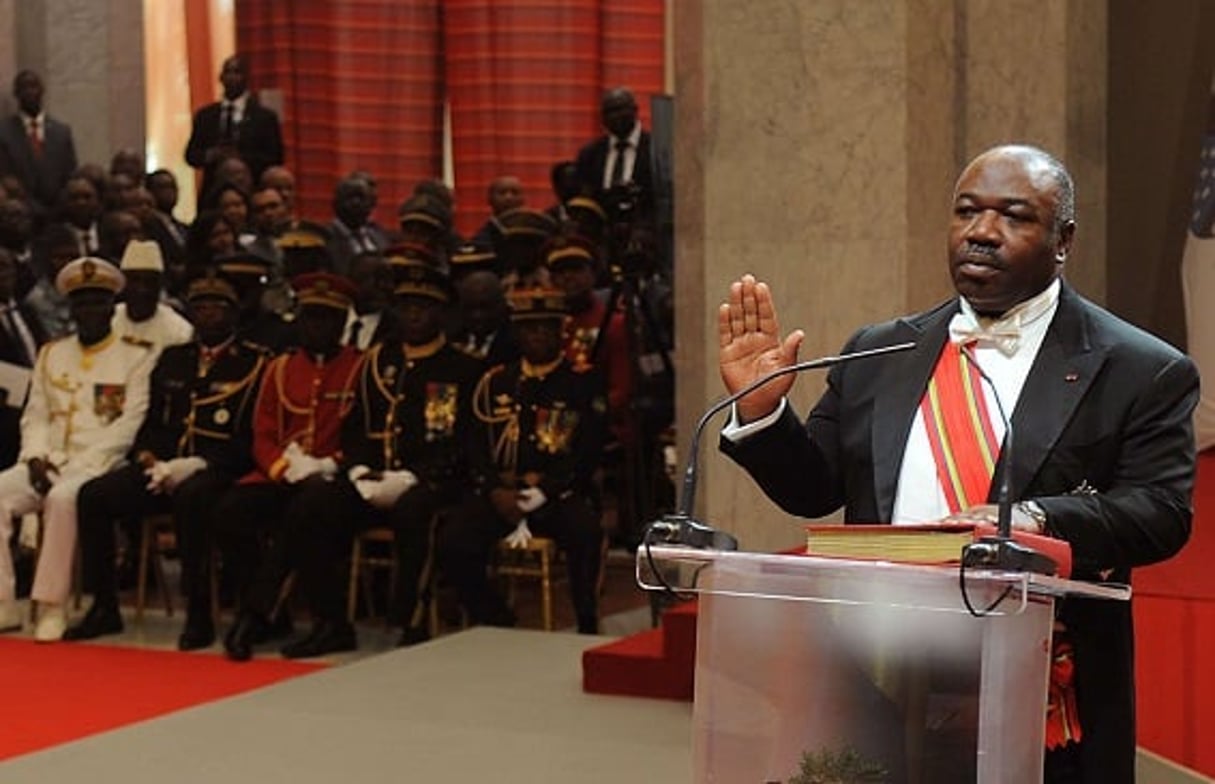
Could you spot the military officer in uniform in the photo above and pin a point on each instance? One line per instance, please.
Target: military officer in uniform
(303, 398)
(250, 275)
(194, 444)
(538, 430)
(404, 459)
(87, 399)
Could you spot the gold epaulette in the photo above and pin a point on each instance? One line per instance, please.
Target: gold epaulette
(256, 348)
(134, 341)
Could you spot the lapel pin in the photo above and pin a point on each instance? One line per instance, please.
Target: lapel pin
(1072, 377)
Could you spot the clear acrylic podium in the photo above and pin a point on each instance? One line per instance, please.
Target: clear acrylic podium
(872, 664)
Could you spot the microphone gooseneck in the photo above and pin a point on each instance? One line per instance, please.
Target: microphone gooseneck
(680, 527)
(1000, 551)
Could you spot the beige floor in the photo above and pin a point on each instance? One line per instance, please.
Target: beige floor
(482, 705)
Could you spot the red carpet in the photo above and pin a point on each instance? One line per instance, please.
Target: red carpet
(58, 693)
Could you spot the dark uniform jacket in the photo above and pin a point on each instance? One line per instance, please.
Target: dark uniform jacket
(538, 427)
(203, 409)
(1104, 445)
(412, 411)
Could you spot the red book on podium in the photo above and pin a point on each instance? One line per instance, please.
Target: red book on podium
(933, 543)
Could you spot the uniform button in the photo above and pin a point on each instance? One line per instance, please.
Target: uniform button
(396, 430)
(531, 438)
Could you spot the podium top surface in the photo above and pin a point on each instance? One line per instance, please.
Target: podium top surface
(848, 581)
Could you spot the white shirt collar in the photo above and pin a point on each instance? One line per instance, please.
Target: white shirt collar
(1022, 314)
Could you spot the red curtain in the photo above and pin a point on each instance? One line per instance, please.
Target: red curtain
(632, 56)
(524, 80)
(362, 89)
(364, 83)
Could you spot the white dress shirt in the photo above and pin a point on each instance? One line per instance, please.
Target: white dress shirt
(630, 156)
(165, 328)
(369, 323)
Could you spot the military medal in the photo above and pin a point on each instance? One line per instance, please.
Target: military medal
(221, 416)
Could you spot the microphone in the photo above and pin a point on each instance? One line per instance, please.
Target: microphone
(680, 527)
(1000, 551)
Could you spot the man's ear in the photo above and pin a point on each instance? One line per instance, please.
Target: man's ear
(1063, 242)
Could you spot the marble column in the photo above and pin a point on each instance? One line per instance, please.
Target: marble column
(90, 56)
(817, 142)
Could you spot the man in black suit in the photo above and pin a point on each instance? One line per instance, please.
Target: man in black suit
(617, 168)
(1105, 445)
(238, 126)
(352, 231)
(34, 147)
(21, 335)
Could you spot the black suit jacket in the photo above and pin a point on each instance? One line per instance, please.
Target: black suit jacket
(1104, 404)
(259, 139)
(43, 176)
(10, 416)
(592, 159)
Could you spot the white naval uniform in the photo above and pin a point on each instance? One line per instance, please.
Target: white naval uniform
(165, 328)
(85, 406)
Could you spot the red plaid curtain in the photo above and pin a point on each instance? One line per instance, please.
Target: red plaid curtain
(364, 83)
(362, 89)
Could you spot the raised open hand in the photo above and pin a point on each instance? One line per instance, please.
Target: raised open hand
(750, 346)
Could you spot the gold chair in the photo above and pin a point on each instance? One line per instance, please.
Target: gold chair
(361, 565)
(159, 533)
(534, 561)
(160, 536)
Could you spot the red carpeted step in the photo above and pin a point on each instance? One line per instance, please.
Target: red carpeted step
(679, 622)
(657, 663)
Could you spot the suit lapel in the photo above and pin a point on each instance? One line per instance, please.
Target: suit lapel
(1062, 372)
(904, 378)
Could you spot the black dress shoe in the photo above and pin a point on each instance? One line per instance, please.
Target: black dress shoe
(197, 633)
(278, 629)
(239, 641)
(413, 635)
(326, 637)
(100, 620)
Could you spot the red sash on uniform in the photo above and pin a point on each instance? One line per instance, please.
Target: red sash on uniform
(964, 445)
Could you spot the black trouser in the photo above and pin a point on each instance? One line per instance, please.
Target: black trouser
(123, 493)
(252, 530)
(332, 514)
(467, 540)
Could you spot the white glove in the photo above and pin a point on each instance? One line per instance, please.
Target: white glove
(166, 475)
(382, 493)
(158, 476)
(520, 536)
(393, 485)
(301, 465)
(530, 499)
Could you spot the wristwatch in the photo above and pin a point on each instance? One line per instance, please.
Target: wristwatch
(1034, 511)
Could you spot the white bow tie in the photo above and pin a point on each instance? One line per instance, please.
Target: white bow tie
(1005, 335)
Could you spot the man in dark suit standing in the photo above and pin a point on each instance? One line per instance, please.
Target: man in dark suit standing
(238, 126)
(617, 168)
(21, 335)
(1102, 411)
(34, 147)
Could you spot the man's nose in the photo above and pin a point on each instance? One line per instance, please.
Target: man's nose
(984, 227)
